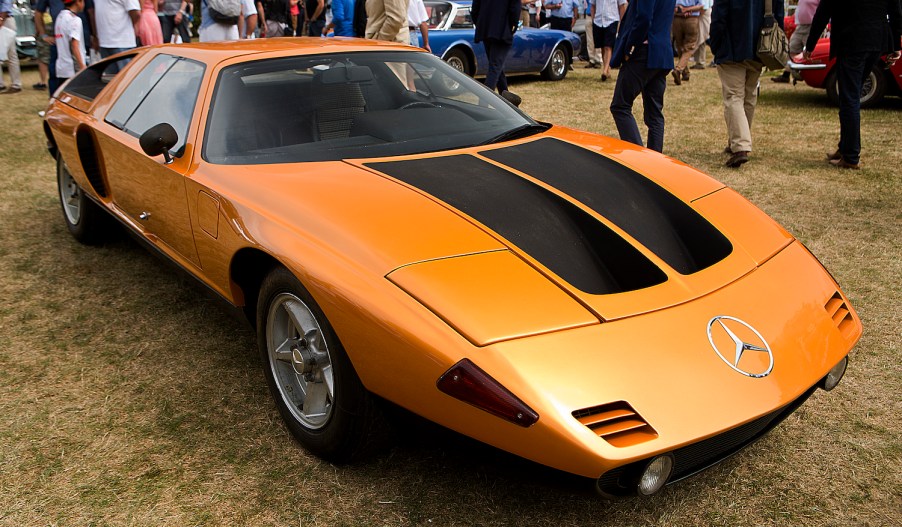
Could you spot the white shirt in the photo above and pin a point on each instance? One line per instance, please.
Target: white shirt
(416, 13)
(607, 12)
(67, 28)
(114, 25)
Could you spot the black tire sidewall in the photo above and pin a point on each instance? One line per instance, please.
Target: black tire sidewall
(338, 440)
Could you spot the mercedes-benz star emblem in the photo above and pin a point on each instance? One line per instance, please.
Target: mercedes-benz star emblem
(738, 346)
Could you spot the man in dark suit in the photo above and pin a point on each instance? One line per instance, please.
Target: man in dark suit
(496, 21)
(735, 29)
(645, 57)
(859, 34)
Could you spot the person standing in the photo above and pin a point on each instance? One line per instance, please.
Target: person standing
(69, 33)
(342, 18)
(685, 35)
(803, 18)
(115, 21)
(563, 14)
(45, 33)
(212, 31)
(859, 34)
(704, 31)
(387, 20)
(735, 26)
(316, 17)
(418, 24)
(496, 21)
(606, 16)
(8, 53)
(148, 29)
(172, 14)
(645, 57)
(277, 14)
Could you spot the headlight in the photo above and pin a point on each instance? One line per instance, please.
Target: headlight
(834, 375)
(655, 475)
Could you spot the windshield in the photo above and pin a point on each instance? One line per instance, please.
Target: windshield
(349, 105)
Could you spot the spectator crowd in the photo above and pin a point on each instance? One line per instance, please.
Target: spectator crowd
(646, 40)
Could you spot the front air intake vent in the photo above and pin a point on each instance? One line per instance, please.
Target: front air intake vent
(842, 317)
(617, 423)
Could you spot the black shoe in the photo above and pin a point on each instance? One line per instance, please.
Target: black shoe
(604, 78)
(834, 156)
(591, 65)
(737, 160)
(512, 98)
(677, 78)
(698, 66)
(727, 150)
(39, 86)
(686, 74)
(782, 78)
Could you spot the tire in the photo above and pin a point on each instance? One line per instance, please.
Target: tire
(872, 89)
(458, 60)
(85, 220)
(557, 66)
(314, 385)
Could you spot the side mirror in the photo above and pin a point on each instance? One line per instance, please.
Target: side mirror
(158, 140)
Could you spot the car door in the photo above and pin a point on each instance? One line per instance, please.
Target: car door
(149, 191)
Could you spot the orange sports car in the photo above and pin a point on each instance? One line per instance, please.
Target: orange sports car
(394, 229)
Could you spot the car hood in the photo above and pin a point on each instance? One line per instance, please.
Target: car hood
(560, 230)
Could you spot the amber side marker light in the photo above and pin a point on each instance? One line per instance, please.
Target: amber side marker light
(467, 382)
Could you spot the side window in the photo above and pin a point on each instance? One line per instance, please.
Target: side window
(88, 83)
(166, 95)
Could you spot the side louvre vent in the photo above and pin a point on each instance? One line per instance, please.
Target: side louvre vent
(87, 153)
(617, 423)
(838, 310)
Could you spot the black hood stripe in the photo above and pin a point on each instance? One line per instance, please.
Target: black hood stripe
(657, 219)
(563, 237)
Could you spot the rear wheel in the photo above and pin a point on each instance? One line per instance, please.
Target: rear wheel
(85, 220)
(872, 89)
(557, 67)
(312, 380)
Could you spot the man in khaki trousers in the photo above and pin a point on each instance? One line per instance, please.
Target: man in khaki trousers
(387, 20)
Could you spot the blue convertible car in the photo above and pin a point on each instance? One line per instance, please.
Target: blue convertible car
(544, 51)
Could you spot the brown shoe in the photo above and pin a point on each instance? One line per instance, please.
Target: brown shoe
(727, 150)
(842, 163)
(737, 160)
(11, 90)
(685, 75)
(676, 77)
(834, 156)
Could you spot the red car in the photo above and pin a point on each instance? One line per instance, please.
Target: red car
(819, 72)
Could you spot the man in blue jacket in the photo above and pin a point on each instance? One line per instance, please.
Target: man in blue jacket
(645, 56)
(735, 29)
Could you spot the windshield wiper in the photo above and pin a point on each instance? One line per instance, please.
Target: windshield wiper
(525, 130)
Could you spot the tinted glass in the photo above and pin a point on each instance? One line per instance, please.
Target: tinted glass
(138, 89)
(349, 105)
(89, 82)
(171, 101)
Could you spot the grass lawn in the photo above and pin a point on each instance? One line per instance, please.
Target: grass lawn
(129, 398)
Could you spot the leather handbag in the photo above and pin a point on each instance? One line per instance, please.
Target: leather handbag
(773, 48)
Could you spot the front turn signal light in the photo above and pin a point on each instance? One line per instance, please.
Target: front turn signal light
(467, 382)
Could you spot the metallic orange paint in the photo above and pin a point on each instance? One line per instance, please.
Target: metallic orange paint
(412, 286)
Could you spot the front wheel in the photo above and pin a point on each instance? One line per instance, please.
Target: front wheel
(458, 60)
(312, 380)
(557, 67)
(85, 220)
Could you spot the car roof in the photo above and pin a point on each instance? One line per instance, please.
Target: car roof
(214, 51)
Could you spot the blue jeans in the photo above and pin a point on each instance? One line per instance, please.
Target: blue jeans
(851, 70)
(107, 52)
(497, 52)
(636, 78)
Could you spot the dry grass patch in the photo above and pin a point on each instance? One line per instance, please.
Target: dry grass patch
(128, 398)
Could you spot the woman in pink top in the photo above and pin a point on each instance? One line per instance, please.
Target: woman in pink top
(148, 28)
